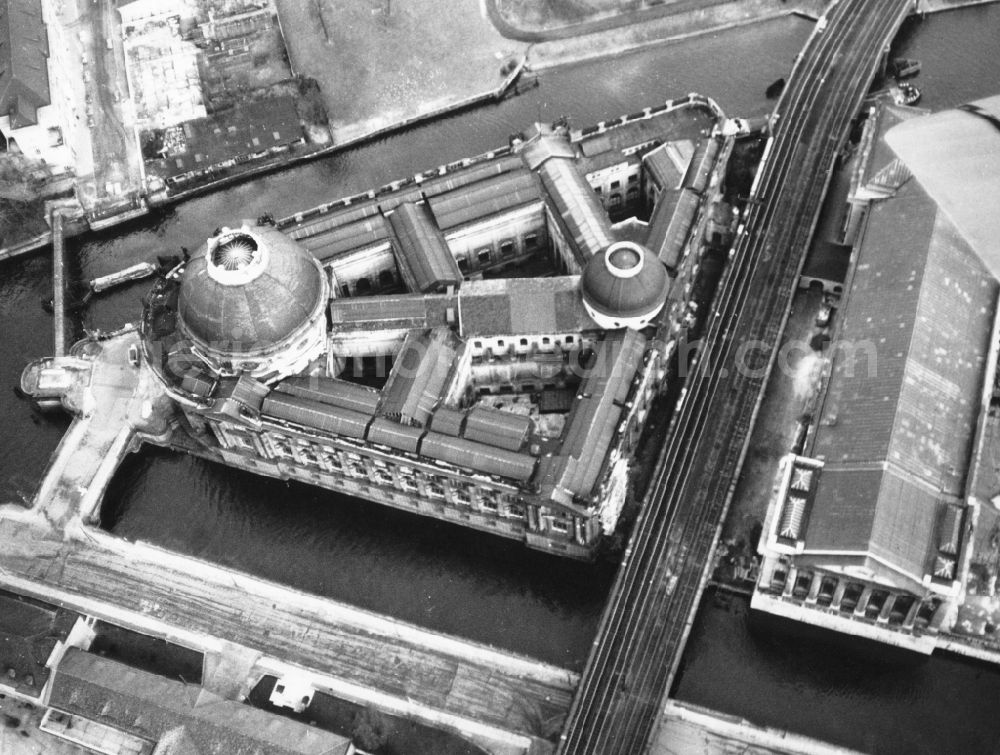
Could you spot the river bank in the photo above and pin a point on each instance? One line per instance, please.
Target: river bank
(437, 70)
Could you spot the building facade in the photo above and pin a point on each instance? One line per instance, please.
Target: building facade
(869, 529)
(376, 346)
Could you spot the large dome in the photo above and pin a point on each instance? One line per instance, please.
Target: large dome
(250, 292)
(624, 287)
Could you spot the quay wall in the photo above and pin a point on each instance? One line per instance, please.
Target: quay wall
(689, 100)
(250, 627)
(349, 139)
(690, 728)
(636, 36)
(936, 6)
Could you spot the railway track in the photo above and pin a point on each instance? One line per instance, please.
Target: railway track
(645, 624)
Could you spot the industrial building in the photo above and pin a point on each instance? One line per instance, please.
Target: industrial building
(870, 528)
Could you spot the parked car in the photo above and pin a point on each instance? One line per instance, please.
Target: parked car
(824, 314)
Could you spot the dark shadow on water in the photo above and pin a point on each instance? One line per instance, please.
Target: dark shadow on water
(435, 574)
(851, 692)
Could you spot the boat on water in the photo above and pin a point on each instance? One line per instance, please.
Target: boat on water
(903, 68)
(133, 272)
(905, 94)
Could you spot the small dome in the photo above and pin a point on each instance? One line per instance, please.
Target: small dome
(624, 287)
(247, 290)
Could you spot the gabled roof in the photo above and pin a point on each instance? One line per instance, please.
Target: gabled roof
(422, 253)
(671, 223)
(496, 427)
(363, 233)
(486, 199)
(879, 512)
(896, 426)
(545, 147)
(960, 170)
(327, 418)
(916, 323)
(24, 50)
(398, 312)
(478, 457)
(152, 706)
(523, 306)
(576, 208)
(421, 376)
(331, 391)
(595, 415)
(668, 163)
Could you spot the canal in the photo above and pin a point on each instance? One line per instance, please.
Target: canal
(443, 577)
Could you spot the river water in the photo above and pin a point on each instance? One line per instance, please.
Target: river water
(431, 573)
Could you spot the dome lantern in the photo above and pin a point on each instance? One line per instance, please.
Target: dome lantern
(625, 287)
(254, 300)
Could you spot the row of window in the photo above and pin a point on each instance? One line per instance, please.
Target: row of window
(503, 344)
(503, 250)
(365, 285)
(500, 251)
(410, 479)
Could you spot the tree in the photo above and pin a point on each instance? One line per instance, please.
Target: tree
(370, 730)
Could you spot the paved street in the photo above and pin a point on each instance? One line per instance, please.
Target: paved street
(107, 157)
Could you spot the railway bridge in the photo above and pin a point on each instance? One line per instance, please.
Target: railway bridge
(646, 621)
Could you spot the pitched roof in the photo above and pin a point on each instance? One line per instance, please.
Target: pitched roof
(961, 170)
(478, 457)
(879, 512)
(422, 253)
(363, 233)
(399, 312)
(24, 73)
(496, 427)
(319, 416)
(897, 422)
(670, 224)
(523, 306)
(29, 629)
(486, 199)
(420, 376)
(152, 706)
(914, 333)
(668, 163)
(576, 208)
(331, 391)
(594, 417)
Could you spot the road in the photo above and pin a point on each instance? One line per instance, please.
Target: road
(116, 154)
(489, 695)
(646, 621)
